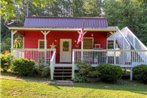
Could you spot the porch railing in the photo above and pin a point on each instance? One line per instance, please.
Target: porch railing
(38, 55)
(124, 58)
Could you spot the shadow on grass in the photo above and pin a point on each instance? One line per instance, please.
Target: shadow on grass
(122, 85)
(13, 75)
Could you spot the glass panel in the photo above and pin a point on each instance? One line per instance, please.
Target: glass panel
(41, 44)
(110, 45)
(65, 46)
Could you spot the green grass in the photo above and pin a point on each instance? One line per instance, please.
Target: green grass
(28, 89)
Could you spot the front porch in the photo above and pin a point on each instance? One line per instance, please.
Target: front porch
(123, 58)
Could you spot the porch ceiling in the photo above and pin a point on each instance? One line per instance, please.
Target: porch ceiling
(111, 29)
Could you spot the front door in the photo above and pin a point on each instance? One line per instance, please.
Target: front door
(65, 50)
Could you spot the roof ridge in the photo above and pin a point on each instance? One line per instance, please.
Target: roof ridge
(67, 17)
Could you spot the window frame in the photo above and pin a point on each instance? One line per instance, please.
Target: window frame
(39, 43)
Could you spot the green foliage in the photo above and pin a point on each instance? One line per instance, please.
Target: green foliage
(140, 73)
(85, 72)
(92, 7)
(109, 73)
(18, 43)
(42, 70)
(5, 61)
(37, 89)
(131, 13)
(23, 66)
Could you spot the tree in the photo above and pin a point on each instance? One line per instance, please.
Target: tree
(131, 13)
(92, 7)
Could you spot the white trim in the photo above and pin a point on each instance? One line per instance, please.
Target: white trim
(64, 29)
(12, 38)
(95, 45)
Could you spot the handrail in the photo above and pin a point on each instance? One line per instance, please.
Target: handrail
(53, 56)
(123, 37)
(52, 63)
(134, 41)
(73, 64)
(37, 49)
(135, 37)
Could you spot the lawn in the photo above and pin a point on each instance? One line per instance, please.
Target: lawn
(29, 89)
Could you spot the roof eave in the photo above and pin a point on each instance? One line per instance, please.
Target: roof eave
(62, 29)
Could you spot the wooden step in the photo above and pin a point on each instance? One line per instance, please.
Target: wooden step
(63, 69)
(62, 73)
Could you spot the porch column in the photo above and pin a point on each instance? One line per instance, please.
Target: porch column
(82, 44)
(12, 39)
(45, 45)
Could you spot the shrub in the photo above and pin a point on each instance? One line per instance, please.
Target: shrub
(109, 73)
(5, 61)
(140, 73)
(85, 72)
(23, 66)
(42, 70)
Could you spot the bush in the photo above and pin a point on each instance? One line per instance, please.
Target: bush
(85, 72)
(5, 61)
(140, 73)
(109, 73)
(42, 70)
(23, 66)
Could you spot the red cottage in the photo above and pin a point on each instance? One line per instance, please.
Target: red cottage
(53, 41)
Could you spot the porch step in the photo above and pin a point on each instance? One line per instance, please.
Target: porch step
(62, 73)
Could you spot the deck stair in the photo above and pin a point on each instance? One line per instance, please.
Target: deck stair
(127, 40)
(62, 73)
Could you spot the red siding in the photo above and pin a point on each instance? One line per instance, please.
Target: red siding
(31, 39)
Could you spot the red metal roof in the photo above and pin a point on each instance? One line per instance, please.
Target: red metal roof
(65, 22)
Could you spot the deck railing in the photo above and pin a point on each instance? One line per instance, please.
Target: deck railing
(38, 55)
(123, 58)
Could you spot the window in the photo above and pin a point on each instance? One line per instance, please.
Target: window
(66, 46)
(88, 43)
(41, 44)
(110, 44)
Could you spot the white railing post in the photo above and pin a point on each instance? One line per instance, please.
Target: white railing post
(52, 63)
(73, 65)
(114, 56)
